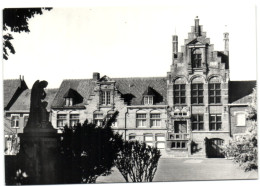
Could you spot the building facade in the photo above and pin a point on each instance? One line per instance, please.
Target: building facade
(190, 112)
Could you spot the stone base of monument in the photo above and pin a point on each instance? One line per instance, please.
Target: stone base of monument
(39, 155)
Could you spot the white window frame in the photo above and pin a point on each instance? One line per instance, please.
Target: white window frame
(98, 120)
(160, 138)
(148, 100)
(155, 120)
(69, 101)
(142, 121)
(15, 126)
(73, 120)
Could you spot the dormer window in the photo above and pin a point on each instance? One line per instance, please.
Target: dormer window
(148, 100)
(148, 96)
(105, 98)
(72, 97)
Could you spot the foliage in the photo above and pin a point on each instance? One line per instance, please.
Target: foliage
(17, 20)
(244, 150)
(138, 161)
(88, 151)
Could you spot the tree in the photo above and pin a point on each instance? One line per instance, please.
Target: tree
(244, 150)
(88, 151)
(138, 161)
(16, 19)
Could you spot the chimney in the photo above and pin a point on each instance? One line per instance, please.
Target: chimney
(175, 46)
(96, 76)
(197, 26)
(226, 41)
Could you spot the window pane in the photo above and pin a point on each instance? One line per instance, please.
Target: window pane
(212, 118)
(155, 115)
(201, 126)
(182, 100)
(160, 145)
(218, 118)
(141, 116)
(176, 87)
(200, 86)
(211, 86)
(194, 93)
(160, 138)
(200, 92)
(217, 92)
(193, 100)
(211, 92)
(218, 126)
(183, 87)
(193, 86)
(173, 145)
(218, 100)
(211, 100)
(182, 93)
(217, 86)
(148, 138)
(183, 145)
(200, 99)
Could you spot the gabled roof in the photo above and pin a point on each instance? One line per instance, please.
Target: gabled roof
(131, 89)
(240, 91)
(12, 89)
(149, 92)
(23, 102)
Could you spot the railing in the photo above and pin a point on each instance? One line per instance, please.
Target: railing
(178, 136)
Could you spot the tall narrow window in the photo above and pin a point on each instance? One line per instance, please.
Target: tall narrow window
(197, 122)
(69, 101)
(179, 94)
(15, 122)
(26, 117)
(215, 122)
(197, 93)
(61, 120)
(160, 141)
(105, 98)
(74, 119)
(214, 93)
(155, 120)
(196, 59)
(141, 120)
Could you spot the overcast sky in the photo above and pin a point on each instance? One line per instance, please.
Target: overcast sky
(126, 41)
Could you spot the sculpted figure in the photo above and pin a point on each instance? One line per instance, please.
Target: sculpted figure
(38, 117)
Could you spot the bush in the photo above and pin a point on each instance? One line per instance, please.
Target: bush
(138, 161)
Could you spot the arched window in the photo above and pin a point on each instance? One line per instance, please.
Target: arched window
(214, 90)
(196, 58)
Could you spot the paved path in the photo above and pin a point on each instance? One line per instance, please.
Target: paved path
(189, 170)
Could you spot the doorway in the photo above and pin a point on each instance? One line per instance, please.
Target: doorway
(180, 127)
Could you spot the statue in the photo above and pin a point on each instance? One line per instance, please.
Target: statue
(38, 117)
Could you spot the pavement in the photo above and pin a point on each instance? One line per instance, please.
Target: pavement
(184, 169)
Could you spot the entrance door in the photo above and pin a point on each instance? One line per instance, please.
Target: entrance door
(213, 148)
(180, 127)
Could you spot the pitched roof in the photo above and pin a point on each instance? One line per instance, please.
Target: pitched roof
(23, 102)
(240, 91)
(132, 89)
(10, 87)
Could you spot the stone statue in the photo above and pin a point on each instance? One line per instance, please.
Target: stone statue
(38, 117)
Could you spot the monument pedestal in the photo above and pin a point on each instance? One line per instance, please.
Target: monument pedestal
(39, 153)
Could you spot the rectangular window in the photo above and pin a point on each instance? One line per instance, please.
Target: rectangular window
(148, 139)
(160, 141)
(155, 120)
(197, 93)
(214, 93)
(179, 94)
(69, 101)
(98, 119)
(196, 60)
(74, 119)
(141, 120)
(241, 119)
(197, 122)
(215, 122)
(148, 100)
(132, 136)
(15, 122)
(61, 120)
(105, 98)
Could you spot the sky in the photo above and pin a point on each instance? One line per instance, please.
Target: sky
(126, 41)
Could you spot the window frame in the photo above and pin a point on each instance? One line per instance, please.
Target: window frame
(197, 96)
(198, 122)
(74, 121)
(196, 58)
(105, 97)
(141, 120)
(64, 120)
(236, 118)
(215, 123)
(98, 120)
(148, 100)
(214, 96)
(15, 124)
(179, 89)
(156, 120)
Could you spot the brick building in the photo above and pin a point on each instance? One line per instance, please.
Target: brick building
(188, 113)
